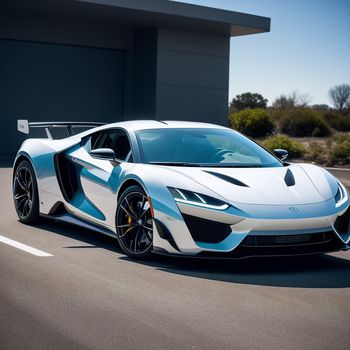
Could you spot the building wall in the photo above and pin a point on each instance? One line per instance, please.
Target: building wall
(192, 76)
(68, 31)
(54, 82)
(180, 75)
(144, 74)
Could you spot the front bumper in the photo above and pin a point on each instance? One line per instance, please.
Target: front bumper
(283, 245)
(234, 233)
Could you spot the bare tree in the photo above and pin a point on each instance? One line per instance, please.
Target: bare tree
(295, 99)
(340, 96)
(300, 100)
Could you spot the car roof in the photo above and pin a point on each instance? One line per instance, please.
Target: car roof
(135, 125)
(159, 124)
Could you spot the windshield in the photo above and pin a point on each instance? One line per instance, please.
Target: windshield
(202, 147)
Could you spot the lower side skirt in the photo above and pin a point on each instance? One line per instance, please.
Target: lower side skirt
(71, 219)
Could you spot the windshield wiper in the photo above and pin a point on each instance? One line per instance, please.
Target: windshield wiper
(214, 165)
(229, 165)
(176, 164)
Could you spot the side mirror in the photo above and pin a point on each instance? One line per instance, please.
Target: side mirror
(103, 153)
(281, 154)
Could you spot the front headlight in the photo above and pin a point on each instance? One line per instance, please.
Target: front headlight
(341, 196)
(200, 200)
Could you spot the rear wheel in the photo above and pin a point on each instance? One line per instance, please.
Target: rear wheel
(25, 193)
(134, 223)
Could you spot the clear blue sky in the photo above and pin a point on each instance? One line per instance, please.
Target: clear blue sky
(307, 50)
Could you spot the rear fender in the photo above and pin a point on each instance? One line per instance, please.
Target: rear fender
(41, 153)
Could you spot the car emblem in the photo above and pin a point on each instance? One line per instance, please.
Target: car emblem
(294, 209)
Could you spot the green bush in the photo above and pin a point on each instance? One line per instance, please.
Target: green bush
(317, 153)
(338, 121)
(339, 150)
(295, 149)
(252, 122)
(248, 100)
(300, 122)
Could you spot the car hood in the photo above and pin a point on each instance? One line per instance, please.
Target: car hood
(291, 185)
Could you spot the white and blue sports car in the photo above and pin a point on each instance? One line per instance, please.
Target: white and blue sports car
(180, 188)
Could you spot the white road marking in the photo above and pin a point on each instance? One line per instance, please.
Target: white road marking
(23, 247)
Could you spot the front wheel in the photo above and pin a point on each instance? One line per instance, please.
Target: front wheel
(134, 223)
(25, 193)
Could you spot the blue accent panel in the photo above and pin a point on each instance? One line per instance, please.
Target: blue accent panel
(160, 206)
(81, 202)
(228, 244)
(163, 201)
(112, 182)
(237, 212)
(44, 165)
(72, 149)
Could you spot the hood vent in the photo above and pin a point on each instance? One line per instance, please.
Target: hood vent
(289, 178)
(228, 179)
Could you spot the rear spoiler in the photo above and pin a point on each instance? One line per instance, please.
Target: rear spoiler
(24, 126)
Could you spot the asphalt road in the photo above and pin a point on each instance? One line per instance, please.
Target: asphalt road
(87, 295)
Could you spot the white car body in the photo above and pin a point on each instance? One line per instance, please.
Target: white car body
(261, 205)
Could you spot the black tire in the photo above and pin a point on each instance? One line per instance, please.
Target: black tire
(134, 223)
(25, 193)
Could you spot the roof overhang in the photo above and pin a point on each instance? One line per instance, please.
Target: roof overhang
(187, 16)
(141, 13)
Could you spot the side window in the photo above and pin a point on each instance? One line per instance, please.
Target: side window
(121, 146)
(95, 139)
(117, 140)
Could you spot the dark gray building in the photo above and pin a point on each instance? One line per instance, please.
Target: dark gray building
(111, 60)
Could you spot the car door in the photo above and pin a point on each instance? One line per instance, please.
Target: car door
(99, 178)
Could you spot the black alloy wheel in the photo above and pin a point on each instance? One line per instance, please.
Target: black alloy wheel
(134, 223)
(25, 193)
